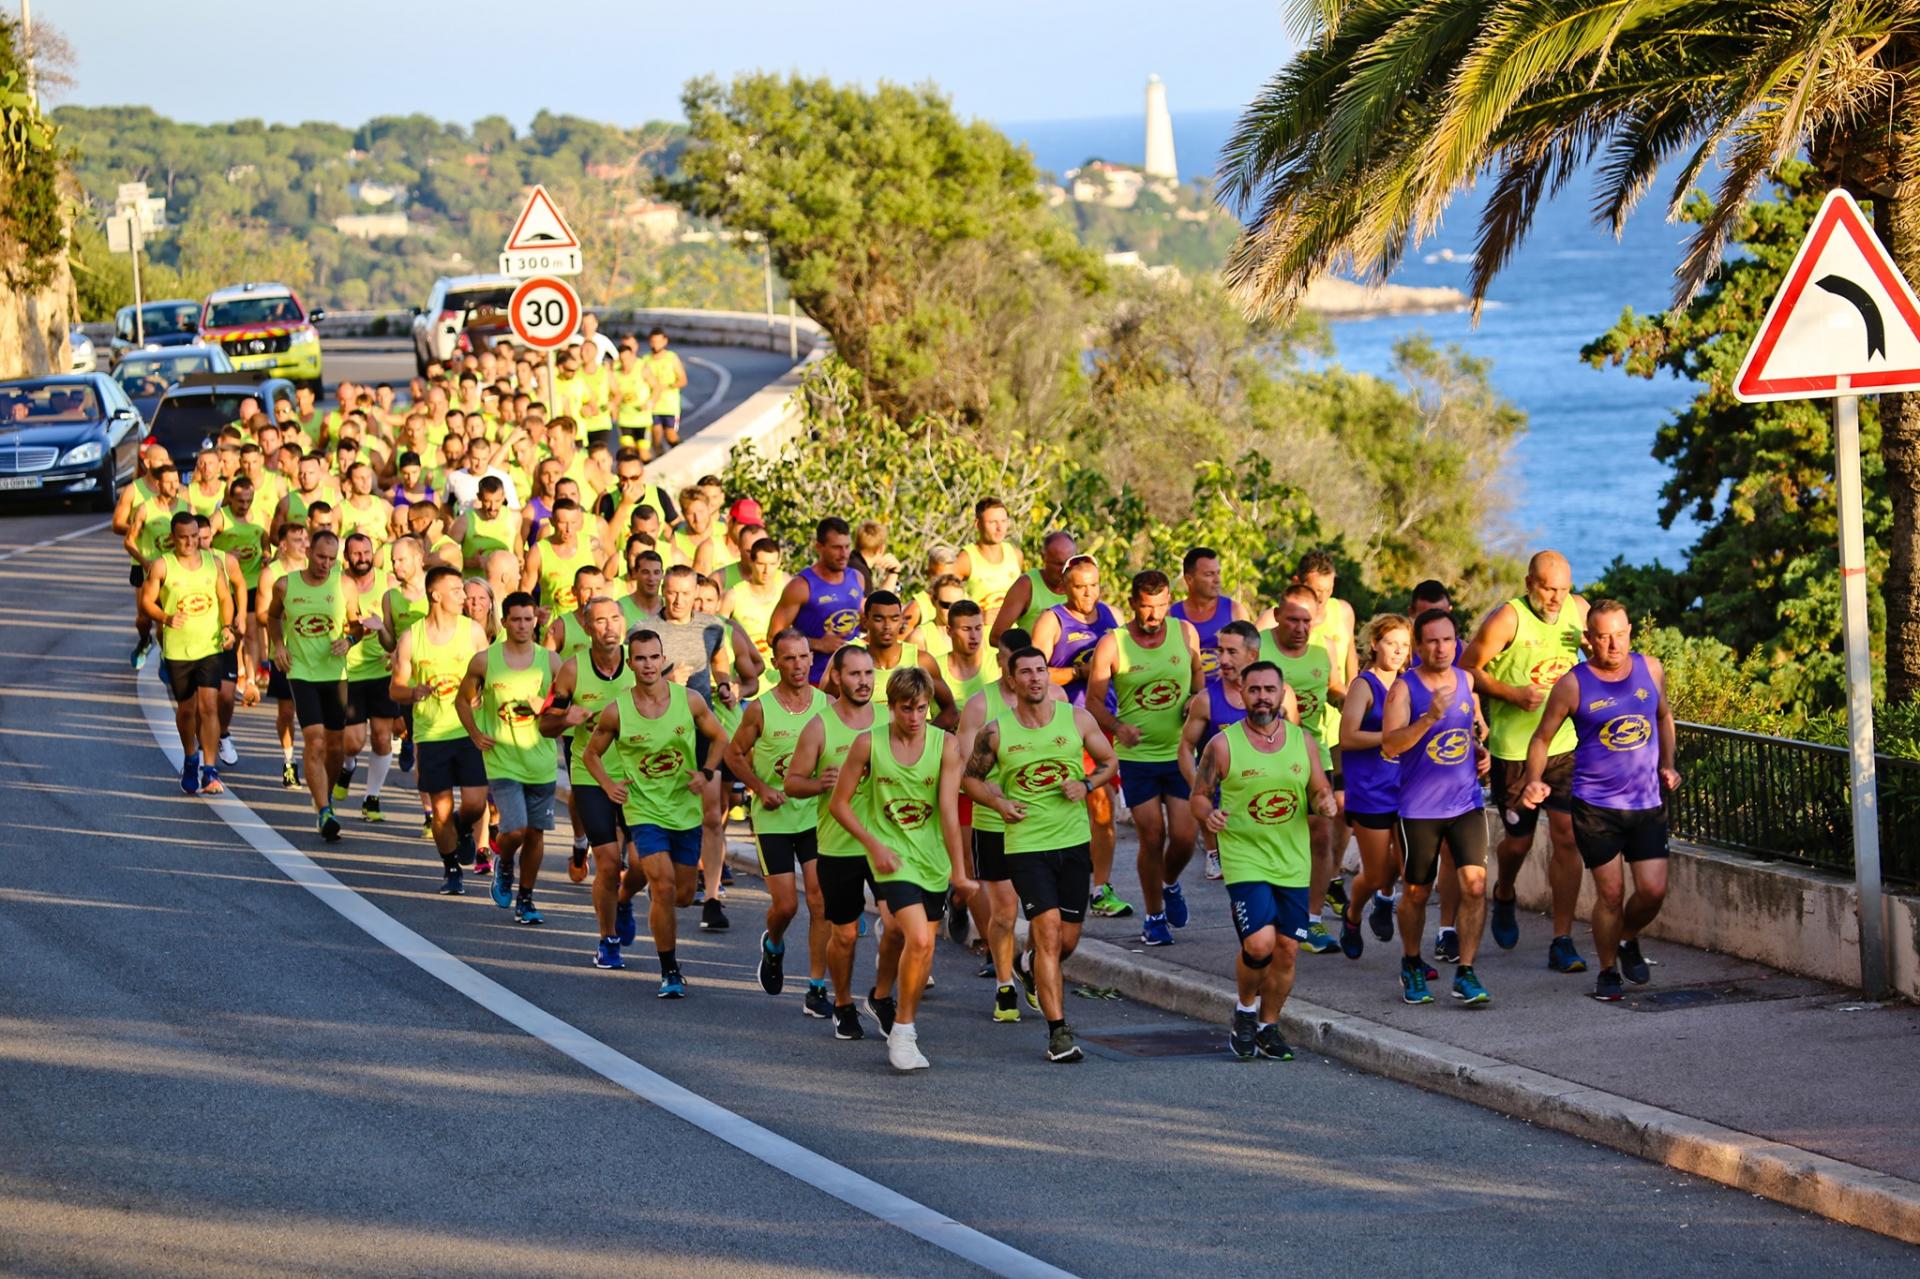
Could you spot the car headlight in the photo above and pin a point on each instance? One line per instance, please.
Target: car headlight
(83, 455)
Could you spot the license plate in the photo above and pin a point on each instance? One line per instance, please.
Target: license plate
(19, 481)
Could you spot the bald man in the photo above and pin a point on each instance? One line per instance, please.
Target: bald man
(1521, 648)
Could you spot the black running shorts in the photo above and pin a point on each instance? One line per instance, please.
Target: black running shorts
(843, 885)
(319, 704)
(1059, 879)
(1465, 835)
(899, 894)
(184, 678)
(1602, 834)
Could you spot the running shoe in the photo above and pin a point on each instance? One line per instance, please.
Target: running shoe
(1060, 1045)
(726, 877)
(1267, 1042)
(1446, 946)
(329, 825)
(190, 774)
(525, 912)
(738, 813)
(450, 885)
(1006, 1003)
(624, 927)
(1505, 923)
(1563, 958)
(289, 778)
(817, 1002)
(1175, 905)
(713, 918)
(903, 1050)
(1607, 987)
(1380, 918)
(341, 789)
(1467, 988)
(608, 956)
(881, 1010)
(1318, 940)
(138, 657)
(210, 782)
(484, 858)
(986, 968)
(502, 884)
(426, 827)
(1107, 902)
(1336, 895)
(1023, 969)
(1352, 944)
(1240, 1035)
(463, 850)
(1633, 964)
(577, 864)
(1213, 870)
(672, 985)
(229, 753)
(846, 1023)
(1413, 982)
(1432, 973)
(1154, 931)
(773, 966)
(370, 809)
(405, 762)
(959, 921)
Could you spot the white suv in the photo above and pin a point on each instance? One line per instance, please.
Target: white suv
(463, 313)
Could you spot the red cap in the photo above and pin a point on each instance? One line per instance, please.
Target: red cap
(745, 511)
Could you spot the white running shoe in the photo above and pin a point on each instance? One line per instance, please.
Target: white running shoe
(903, 1049)
(228, 755)
(1213, 863)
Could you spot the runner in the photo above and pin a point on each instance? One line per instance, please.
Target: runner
(1026, 766)
(428, 666)
(1204, 607)
(485, 527)
(1514, 658)
(1307, 668)
(668, 377)
(653, 728)
(908, 823)
(371, 714)
(1446, 942)
(881, 620)
(641, 603)
(313, 620)
(1217, 706)
(991, 564)
(1373, 780)
(147, 530)
(823, 602)
(1623, 769)
(499, 705)
(404, 604)
(1428, 727)
(1267, 772)
(752, 602)
(841, 865)
(785, 829)
(235, 534)
(1148, 670)
(290, 556)
(1067, 634)
(188, 593)
(550, 565)
(967, 667)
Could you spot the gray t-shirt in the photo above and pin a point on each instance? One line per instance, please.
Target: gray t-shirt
(689, 647)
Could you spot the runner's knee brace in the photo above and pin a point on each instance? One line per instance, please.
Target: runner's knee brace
(1251, 962)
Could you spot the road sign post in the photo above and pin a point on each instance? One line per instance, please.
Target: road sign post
(1857, 328)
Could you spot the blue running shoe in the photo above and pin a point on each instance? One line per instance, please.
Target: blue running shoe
(1176, 905)
(1413, 982)
(210, 783)
(1351, 942)
(406, 755)
(672, 985)
(141, 651)
(1633, 964)
(862, 930)
(1446, 946)
(190, 774)
(1506, 924)
(329, 825)
(1380, 918)
(1318, 940)
(1154, 931)
(1563, 958)
(608, 956)
(502, 884)
(525, 912)
(1607, 987)
(624, 927)
(1467, 988)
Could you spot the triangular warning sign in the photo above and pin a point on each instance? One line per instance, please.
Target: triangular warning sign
(1845, 311)
(540, 226)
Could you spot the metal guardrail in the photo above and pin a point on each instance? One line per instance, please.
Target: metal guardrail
(1786, 800)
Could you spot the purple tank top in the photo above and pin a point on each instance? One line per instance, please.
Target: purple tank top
(832, 608)
(400, 497)
(541, 514)
(1077, 637)
(1373, 781)
(1437, 777)
(1209, 632)
(1616, 763)
(1221, 713)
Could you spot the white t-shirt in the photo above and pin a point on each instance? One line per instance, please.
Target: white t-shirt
(465, 487)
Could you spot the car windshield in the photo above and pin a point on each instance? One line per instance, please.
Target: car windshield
(481, 303)
(43, 403)
(144, 375)
(194, 416)
(169, 318)
(264, 310)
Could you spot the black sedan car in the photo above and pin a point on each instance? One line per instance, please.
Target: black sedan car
(72, 435)
(146, 375)
(191, 414)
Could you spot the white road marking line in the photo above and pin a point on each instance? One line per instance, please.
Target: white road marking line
(721, 372)
(743, 1134)
(55, 541)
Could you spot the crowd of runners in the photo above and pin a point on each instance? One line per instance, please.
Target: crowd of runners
(485, 586)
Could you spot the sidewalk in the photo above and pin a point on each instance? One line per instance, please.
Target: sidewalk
(1726, 1050)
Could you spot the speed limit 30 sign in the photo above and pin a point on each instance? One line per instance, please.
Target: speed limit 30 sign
(544, 312)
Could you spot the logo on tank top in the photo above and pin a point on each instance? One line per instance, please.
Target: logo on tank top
(1449, 747)
(1078, 637)
(1547, 670)
(1209, 661)
(1626, 733)
(196, 604)
(246, 552)
(1271, 807)
(842, 622)
(780, 764)
(313, 626)
(1309, 702)
(1042, 775)
(1158, 695)
(909, 814)
(444, 686)
(660, 764)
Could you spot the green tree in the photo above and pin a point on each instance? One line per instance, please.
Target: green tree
(1353, 151)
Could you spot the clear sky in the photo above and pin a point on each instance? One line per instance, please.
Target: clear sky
(348, 60)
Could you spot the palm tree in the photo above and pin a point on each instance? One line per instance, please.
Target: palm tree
(1351, 153)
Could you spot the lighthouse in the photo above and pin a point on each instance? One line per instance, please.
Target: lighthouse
(1159, 134)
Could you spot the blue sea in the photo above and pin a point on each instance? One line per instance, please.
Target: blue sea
(1586, 481)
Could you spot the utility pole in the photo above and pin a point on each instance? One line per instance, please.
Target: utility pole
(26, 40)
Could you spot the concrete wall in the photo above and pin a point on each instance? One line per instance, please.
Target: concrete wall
(1789, 917)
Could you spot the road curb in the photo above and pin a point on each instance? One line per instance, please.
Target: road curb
(1839, 1191)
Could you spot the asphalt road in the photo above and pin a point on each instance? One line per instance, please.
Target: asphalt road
(207, 1071)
